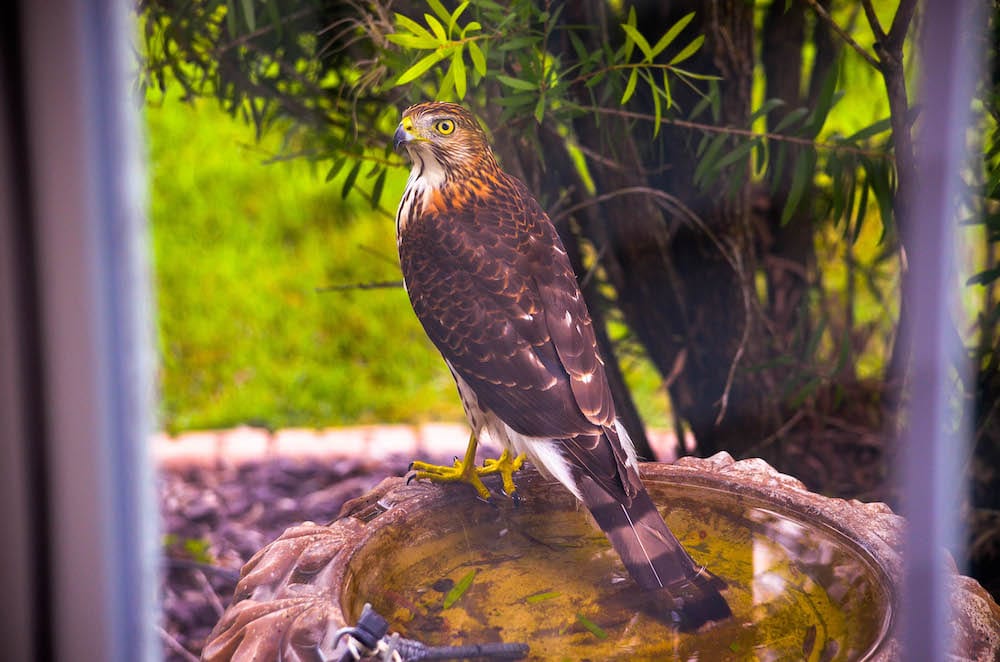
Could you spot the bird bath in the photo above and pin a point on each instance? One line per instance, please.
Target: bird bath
(808, 577)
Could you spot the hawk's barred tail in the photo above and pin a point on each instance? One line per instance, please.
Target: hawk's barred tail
(684, 593)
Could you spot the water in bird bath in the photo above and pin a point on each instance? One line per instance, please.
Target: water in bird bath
(543, 574)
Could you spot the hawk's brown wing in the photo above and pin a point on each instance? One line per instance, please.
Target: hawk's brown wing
(495, 292)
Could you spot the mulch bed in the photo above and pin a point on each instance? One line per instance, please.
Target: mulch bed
(215, 518)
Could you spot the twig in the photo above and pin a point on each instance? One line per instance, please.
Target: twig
(709, 128)
(243, 39)
(206, 587)
(593, 268)
(873, 21)
(900, 24)
(731, 258)
(377, 285)
(780, 432)
(740, 349)
(822, 13)
(676, 369)
(228, 574)
(604, 197)
(175, 645)
(374, 252)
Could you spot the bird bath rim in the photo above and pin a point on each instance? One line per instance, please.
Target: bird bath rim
(290, 594)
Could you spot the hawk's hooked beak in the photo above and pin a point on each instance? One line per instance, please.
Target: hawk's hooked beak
(403, 135)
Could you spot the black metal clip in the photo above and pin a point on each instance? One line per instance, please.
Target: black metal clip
(368, 639)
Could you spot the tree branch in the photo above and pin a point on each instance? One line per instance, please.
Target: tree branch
(873, 21)
(749, 133)
(822, 13)
(900, 24)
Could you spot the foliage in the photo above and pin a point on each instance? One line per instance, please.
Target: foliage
(330, 77)
(240, 248)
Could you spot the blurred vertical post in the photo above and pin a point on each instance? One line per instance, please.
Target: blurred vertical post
(932, 451)
(77, 323)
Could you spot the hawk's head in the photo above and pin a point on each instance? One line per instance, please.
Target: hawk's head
(444, 141)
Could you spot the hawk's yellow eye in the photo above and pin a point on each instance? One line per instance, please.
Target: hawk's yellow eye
(444, 127)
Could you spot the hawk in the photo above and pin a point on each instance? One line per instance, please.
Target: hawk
(492, 285)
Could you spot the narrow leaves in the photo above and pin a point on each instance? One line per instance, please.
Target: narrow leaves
(459, 589)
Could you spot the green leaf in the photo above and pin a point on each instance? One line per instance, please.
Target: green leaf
(351, 177)
(765, 108)
(777, 166)
(516, 83)
(707, 162)
(414, 27)
(541, 597)
(420, 68)
(597, 78)
(700, 107)
(377, 188)
(518, 43)
(740, 152)
(249, 15)
(458, 70)
(690, 74)
(459, 589)
(828, 98)
(629, 44)
(594, 628)
(880, 177)
(478, 59)
(416, 41)
(633, 78)
(540, 108)
(335, 169)
(791, 118)
(806, 391)
(471, 26)
(862, 211)
(231, 18)
(715, 94)
(688, 50)
(274, 14)
(439, 9)
(666, 90)
(872, 130)
(671, 34)
(447, 88)
(800, 179)
(839, 184)
(453, 19)
(983, 278)
(578, 46)
(636, 37)
(657, 109)
(437, 28)
(848, 184)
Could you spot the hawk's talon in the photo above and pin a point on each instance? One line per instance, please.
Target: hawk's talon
(505, 466)
(466, 471)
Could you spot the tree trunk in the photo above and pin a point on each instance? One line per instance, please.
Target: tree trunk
(683, 284)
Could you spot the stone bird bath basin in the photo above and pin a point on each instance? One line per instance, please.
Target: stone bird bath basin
(809, 577)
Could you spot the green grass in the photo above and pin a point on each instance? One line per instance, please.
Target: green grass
(239, 249)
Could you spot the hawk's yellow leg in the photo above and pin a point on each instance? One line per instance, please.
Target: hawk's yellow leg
(466, 471)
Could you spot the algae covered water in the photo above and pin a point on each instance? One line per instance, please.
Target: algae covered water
(551, 579)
